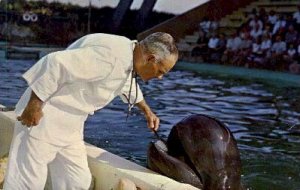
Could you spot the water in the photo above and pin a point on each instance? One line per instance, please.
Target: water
(258, 115)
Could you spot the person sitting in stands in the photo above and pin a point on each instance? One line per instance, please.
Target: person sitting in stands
(245, 50)
(278, 49)
(256, 32)
(272, 18)
(298, 52)
(289, 22)
(254, 22)
(291, 35)
(296, 17)
(244, 31)
(262, 14)
(290, 56)
(267, 30)
(205, 25)
(212, 46)
(294, 67)
(213, 27)
(200, 50)
(256, 56)
(280, 24)
(266, 45)
(221, 47)
(232, 49)
(252, 14)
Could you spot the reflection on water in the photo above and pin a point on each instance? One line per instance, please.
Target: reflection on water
(258, 115)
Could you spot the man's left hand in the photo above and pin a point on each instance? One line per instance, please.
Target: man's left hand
(152, 121)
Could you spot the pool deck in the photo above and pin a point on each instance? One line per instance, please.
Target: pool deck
(279, 79)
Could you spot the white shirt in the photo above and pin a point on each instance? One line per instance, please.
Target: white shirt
(229, 43)
(254, 22)
(256, 48)
(266, 44)
(237, 42)
(81, 79)
(279, 24)
(213, 42)
(291, 52)
(205, 25)
(272, 19)
(255, 33)
(279, 47)
(297, 17)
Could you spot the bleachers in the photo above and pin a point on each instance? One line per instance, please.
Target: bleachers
(230, 23)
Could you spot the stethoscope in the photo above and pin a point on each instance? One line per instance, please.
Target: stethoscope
(131, 105)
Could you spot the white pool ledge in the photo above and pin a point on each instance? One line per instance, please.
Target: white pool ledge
(106, 167)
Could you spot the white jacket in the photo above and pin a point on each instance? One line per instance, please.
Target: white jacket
(79, 80)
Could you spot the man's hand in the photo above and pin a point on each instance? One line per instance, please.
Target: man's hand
(33, 112)
(152, 119)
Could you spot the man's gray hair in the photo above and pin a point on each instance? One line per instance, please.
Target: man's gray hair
(160, 44)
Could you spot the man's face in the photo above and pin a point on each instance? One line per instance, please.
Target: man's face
(157, 69)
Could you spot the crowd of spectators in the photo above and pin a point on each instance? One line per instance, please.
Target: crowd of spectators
(267, 40)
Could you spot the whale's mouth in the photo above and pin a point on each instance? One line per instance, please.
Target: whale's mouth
(161, 145)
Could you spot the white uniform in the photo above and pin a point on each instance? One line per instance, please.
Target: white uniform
(72, 84)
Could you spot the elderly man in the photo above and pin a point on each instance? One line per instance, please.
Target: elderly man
(66, 86)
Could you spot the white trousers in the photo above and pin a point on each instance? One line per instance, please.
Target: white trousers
(30, 158)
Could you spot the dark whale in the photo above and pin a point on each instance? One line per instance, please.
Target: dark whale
(200, 151)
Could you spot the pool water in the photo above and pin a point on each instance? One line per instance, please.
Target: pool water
(260, 117)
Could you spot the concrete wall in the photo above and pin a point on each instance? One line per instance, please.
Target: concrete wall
(186, 23)
(106, 167)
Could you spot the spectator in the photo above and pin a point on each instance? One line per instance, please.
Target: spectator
(245, 50)
(244, 31)
(237, 42)
(294, 68)
(246, 42)
(298, 53)
(262, 13)
(296, 17)
(205, 24)
(200, 50)
(221, 47)
(267, 30)
(266, 45)
(280, 24)
(289, 22)
(254, 22)
(256, 32)
(212, 45)
(292, 35)
(213, 25)
(278, 49)
(252, 14)
(290, 55)
(233, 45)
(256, 56)
(272, 18)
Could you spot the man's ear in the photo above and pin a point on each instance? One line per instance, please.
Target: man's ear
(151, 58)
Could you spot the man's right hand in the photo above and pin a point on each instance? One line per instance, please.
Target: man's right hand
(33, 112)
